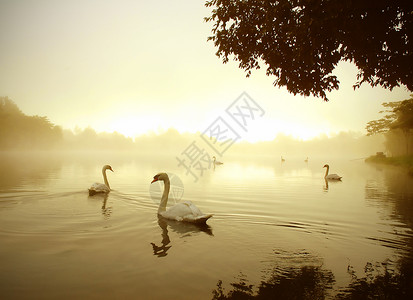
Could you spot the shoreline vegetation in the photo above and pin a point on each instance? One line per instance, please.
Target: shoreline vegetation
(20, 132)
(404, 161)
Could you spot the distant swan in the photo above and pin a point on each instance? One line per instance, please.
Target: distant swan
(331, 176)
(185, 211)
(216, 162)
(100, 188)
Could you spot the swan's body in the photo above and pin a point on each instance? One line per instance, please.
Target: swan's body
(101, 188)
(184, 211)
(216, 162)
(331, 176)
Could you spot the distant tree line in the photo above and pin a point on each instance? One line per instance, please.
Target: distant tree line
(396, 125)
(22, 132)
(19, 131)
(89, 139)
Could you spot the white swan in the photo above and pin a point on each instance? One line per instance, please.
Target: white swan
(331, 176)
(100, 188)
(216, 162)
(185, 211)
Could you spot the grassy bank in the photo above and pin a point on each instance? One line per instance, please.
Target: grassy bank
(405, 161)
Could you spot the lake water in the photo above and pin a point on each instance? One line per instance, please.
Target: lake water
(278, 230)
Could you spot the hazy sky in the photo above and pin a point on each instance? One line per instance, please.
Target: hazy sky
(134, 66)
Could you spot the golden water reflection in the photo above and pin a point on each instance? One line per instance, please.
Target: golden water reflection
(280, 225)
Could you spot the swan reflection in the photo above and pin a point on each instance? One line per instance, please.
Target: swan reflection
(182, 228)
(326, 185)
(106, 211)
(162, 250)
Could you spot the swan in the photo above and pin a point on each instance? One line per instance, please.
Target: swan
(331, 176)
(185, 211)
(216, 162)
(98, 188)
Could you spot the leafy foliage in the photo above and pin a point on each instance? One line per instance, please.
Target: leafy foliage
(307, 282)
(404, 114)
(302, 41)
(18, 131)
(380, 282)
(384, 124)
(399, 117)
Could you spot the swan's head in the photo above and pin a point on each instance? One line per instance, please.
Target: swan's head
(326, 166)
(107, 167)
(160, 176)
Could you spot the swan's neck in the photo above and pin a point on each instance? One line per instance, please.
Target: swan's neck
(164, 199)
(105, 178)
(327, 171)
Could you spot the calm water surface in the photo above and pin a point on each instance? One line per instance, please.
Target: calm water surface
(278, 229)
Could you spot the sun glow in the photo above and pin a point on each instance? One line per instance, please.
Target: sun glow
(135, 125)
(303, 133)
(138, 69)
(132, 126)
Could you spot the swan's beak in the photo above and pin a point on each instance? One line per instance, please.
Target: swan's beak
(155, 178)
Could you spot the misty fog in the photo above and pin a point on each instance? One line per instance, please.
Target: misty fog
(21, 132)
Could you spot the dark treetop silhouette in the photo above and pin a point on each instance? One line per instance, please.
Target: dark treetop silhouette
(301, 42)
